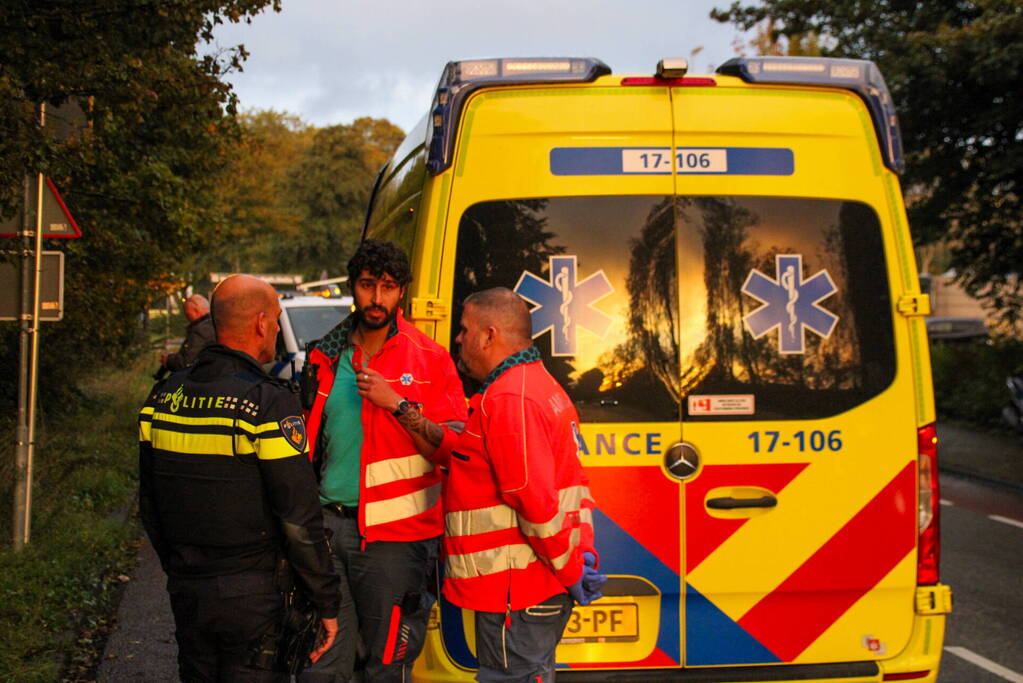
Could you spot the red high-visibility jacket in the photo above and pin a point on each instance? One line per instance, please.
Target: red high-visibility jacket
(517, 507)
(399, 489)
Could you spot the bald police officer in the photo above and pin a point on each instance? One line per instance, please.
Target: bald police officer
(226, 488)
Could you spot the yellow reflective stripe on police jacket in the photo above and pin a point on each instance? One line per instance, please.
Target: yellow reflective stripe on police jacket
(212, 421)
(402, 507)
(492, 561)
(218, 436)
(145, 423)
(275, 448)
(170, 437)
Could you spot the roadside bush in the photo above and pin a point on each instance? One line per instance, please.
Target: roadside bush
(61, 589)
(969, 380)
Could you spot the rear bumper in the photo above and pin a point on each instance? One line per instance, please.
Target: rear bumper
(842, 671)
(918, 661)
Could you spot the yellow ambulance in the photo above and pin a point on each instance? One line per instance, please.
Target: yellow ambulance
(721, 275)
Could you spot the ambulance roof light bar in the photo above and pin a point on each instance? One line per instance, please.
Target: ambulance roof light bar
(858, 75)
(461, 79)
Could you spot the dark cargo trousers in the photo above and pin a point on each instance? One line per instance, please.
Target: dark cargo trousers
(386, 596)
(518, 647)
(218, 624)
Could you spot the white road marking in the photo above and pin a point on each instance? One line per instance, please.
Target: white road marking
(986, 664)
(945, 501)
(1006, 520)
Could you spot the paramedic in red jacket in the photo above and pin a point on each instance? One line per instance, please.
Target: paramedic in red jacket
(518, 513)
(381, 495)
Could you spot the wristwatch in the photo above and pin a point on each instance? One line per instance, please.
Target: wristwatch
(405, 405)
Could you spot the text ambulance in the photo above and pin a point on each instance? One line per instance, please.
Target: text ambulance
(721, 274)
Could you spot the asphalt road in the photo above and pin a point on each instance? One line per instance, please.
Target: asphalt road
(982, 559)
(142, 647)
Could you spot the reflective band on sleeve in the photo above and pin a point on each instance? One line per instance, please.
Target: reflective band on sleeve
(275, 448)
(560, 562)
(402, 507)
(480, 521)
(503, 558)
(396, 469)
(145, 424)
(569, 500)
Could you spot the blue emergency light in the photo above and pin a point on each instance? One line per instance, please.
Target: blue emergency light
(858, 75)
(461, 79)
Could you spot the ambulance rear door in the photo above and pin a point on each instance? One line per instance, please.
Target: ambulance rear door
(565, 194)
(798, 451)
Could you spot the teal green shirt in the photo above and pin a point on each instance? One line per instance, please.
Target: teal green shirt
(342, 428)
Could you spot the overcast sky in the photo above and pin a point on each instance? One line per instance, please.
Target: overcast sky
(331, 62)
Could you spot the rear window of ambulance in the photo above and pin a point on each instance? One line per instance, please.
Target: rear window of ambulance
(789, 302)
(641, 301)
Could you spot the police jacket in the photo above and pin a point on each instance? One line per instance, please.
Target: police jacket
(198, 335)
(399, 489)
(225, 484)
(517, 507)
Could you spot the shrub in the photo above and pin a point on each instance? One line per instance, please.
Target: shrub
(969, 379)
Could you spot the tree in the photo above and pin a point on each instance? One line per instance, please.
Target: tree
(955, 70)
(138, 172)
(767, 41)
(255, 204)
(331, 184)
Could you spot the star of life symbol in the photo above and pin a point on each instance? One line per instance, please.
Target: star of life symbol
(790, 303)
(563, 305)
(406, 379)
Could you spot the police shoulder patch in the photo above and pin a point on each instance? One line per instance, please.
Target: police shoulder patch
(293, 429)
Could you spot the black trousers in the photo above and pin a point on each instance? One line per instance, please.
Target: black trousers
(386, 596)
(218, 623)
(519, 647)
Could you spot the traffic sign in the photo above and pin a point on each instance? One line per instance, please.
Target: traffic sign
(51, 290)
(57, 220)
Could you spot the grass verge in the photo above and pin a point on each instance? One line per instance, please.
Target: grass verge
(60, 591)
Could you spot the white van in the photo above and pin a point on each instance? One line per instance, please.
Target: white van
(304, 319)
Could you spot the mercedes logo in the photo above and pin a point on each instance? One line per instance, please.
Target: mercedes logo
(682, 461)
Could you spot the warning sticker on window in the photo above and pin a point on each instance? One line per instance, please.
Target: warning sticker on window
(722, 404)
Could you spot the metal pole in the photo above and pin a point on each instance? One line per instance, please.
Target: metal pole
(28, 358)
(34, 371)
(21, 455)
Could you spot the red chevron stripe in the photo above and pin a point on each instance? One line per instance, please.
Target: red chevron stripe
(657, 658)
(843, 570)
(705, 534)
(644, 503)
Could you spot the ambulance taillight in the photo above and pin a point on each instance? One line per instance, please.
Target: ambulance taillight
(929, 546)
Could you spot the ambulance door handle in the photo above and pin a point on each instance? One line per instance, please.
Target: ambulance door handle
(729, 503)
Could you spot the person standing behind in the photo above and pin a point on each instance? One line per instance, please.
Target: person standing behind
(225, 489)
(380, 490)
(198, 335)
(518, 512)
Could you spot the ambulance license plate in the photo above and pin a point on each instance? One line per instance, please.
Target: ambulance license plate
(603, 623)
